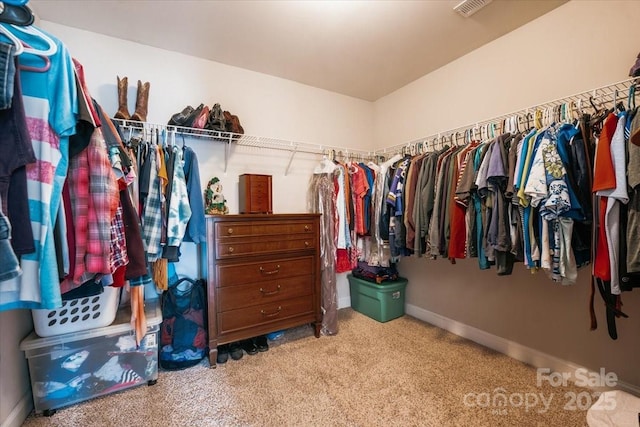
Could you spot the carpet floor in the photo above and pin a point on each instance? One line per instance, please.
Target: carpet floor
(400, 373)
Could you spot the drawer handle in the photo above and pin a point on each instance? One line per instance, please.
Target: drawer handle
(230, 249)
(306, 244)
(306, 228)
(230, 230)
(277, 270)
(265, 314)
(270, 292)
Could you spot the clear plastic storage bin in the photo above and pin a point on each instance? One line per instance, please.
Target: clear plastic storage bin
(70, 368)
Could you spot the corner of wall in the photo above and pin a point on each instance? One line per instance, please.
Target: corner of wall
(20, 411)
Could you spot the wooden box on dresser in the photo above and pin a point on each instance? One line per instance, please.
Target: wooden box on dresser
(263, 275)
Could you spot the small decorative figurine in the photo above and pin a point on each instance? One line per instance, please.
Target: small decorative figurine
(215, 203)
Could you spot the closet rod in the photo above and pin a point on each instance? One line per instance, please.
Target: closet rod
(614, 92)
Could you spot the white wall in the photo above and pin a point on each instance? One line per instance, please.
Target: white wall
(576, 47)
(15, 388)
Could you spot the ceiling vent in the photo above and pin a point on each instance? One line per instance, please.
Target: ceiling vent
(469, 7)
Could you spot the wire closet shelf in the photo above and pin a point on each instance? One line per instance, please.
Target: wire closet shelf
(243, 140)
(583, 101)
(600, 98)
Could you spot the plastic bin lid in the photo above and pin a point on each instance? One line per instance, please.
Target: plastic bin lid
(122, 323)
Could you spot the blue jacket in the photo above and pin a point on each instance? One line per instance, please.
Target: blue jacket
(196, 230)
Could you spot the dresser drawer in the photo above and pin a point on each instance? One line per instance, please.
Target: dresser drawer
(253, 272)
(229, 321)
(276, 229)
(258, 246)
(234, 297)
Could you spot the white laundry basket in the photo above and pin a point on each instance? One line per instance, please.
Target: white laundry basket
(78, 314)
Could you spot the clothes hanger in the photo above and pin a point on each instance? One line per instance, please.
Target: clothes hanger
(484, 133)
(325, 166)
(44, 68)
(52, 47)
(455, 139)
(529, 117)
(184, 144)
(595, 108)
(537, 119)
(443, 141)
(19, 47)
(618, 106)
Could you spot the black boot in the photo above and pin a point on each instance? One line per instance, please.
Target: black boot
(262, 343)
(235, 351)
(223, 354)
(249, 346)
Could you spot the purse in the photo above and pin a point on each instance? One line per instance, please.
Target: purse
(179, 119)
(216, 120)
(201, 120)
(233, 123)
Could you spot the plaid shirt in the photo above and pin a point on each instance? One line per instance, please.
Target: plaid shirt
(78, 182)
(103, 202)
(152, 212)
(118, 256)
(179, 209)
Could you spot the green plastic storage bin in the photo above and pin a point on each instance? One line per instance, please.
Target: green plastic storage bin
(382, 302)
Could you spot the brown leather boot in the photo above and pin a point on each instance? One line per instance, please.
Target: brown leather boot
(142, 102)
(123, 110)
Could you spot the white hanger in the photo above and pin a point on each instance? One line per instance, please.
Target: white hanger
(325, 166)
(30, 29)
(15, 40)
(391, 161)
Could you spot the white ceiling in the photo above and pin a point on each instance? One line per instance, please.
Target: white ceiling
(364, 49)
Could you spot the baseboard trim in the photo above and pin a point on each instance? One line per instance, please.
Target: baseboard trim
(20, 412)
(512, 349)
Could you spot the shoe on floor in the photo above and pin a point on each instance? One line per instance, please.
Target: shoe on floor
(261, 343)
(249, 346)
(223, 354)
(235, 351)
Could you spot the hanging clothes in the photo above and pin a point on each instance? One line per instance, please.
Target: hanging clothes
(322, 198)
(17, 151)
(51, 108)
(196, 229)
(179, 209)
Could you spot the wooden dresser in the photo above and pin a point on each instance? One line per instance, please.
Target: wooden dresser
(263, 275)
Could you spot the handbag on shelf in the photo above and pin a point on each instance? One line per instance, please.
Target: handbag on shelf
(189, 116)
(179, 119)
(201, 120)
(233, 123)
(216, 120)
